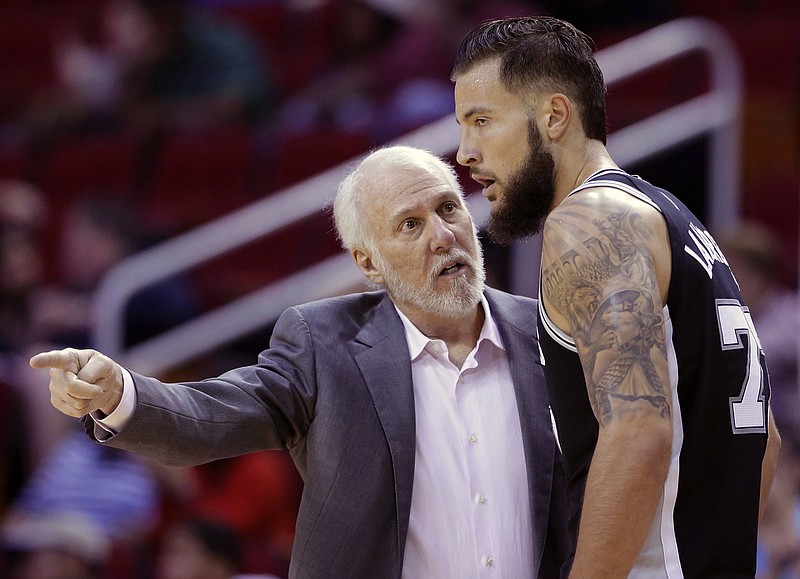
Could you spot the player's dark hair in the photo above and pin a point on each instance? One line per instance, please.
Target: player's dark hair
(541, 52)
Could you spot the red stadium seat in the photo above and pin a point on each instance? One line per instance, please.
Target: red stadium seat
(98, 165)
(299, 156)
(197, 176)
(295, 41)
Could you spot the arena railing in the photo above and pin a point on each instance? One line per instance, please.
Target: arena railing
(715, 113)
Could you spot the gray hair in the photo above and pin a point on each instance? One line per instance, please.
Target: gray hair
(376, 171)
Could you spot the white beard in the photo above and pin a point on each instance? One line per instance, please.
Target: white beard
(460, 299)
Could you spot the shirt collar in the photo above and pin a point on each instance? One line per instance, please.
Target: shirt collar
(417, 341)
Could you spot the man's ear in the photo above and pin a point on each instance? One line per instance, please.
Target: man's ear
(364, 263)
(558, 115)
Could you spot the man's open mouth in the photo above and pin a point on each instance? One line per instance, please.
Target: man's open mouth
(452, 269)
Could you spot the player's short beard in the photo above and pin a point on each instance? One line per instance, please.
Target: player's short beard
(527, 197)
(460, 299)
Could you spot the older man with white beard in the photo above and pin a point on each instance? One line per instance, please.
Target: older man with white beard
(416, 413)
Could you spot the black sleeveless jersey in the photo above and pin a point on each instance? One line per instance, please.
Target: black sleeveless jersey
(707, 522)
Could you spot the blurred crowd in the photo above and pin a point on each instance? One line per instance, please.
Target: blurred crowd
(74, 509)
(238, 98)
(142, 76)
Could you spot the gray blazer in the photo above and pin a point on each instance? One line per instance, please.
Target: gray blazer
(335, 388)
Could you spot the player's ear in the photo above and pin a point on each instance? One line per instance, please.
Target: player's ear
(559, 115)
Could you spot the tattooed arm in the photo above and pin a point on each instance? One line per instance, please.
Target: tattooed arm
(605, 261)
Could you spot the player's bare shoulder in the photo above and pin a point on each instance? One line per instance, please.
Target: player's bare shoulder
(598, 240)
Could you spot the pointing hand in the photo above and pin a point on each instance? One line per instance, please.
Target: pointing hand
(81, 381)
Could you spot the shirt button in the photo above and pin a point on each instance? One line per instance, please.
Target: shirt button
(473, 439)
(482, 499)
(489, 561)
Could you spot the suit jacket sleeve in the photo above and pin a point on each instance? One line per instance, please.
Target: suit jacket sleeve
(265, 406)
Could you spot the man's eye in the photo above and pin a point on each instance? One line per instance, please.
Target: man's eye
(409, 224)
(449, 207)
(479, 122)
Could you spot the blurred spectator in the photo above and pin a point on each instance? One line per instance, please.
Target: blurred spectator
(389, 63)
(199, 549)
(115, 491)
(98, 234)
(754, 254)
(186, 72)
(14, 448)
(113, 498)
(23, 218)
(154, 65)
(387, 70)
(263, 515)
(95, 235)
(23, 214)
(62, 546)
(34, 408)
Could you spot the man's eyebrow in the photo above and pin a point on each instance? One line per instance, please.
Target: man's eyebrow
(403, 211)
(476, 110)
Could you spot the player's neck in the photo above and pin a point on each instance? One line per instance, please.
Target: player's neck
(594, 158)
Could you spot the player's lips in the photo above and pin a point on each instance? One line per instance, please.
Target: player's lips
(486, 184)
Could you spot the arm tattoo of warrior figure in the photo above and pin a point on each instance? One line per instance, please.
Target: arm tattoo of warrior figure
(605, 287)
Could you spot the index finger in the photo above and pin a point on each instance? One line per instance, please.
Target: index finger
(60, 359)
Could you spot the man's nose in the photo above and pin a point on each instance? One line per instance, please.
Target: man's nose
(442, 236)
(467, 153)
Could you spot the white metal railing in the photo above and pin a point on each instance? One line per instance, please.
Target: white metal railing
(716, 113)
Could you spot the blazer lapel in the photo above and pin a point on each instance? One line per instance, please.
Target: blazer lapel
(383, 358)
